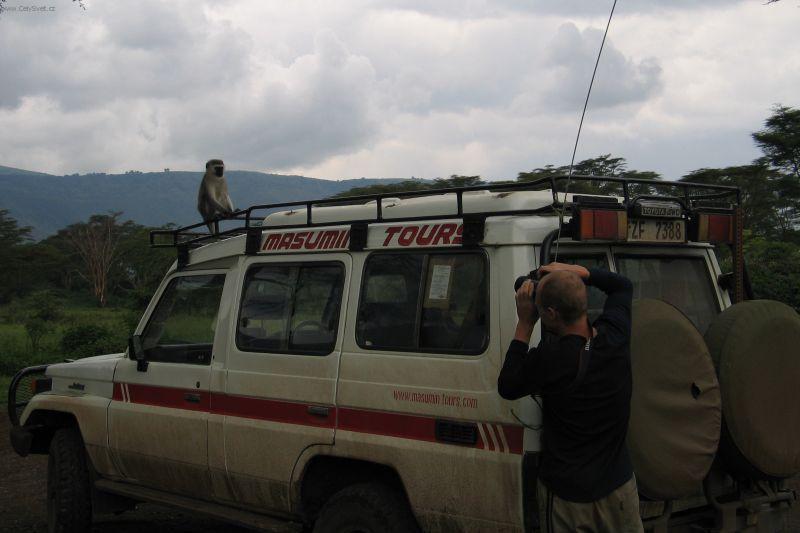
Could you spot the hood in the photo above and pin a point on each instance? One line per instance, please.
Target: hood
(98, 368)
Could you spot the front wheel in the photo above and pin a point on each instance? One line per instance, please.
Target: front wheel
(69, 507)
(366, 508)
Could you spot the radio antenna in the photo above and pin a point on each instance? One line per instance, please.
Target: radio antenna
(580, 127)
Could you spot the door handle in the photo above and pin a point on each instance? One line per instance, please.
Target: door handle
(193, 398)
(318, 410)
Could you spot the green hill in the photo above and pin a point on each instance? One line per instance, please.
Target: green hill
(18, 171)
(48, 203)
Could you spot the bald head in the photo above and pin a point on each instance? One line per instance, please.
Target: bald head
(565, 292)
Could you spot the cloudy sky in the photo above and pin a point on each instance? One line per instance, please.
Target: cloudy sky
(389, 88)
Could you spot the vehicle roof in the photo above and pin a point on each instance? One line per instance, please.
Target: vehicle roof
(429, 205)
(500, 230)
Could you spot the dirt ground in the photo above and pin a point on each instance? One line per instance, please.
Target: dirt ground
(22, 502)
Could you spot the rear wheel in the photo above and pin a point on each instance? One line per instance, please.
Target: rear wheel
(366, 508)
(69, 508)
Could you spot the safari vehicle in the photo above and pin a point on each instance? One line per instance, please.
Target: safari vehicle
(331, 366)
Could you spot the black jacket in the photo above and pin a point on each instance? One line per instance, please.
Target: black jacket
(585, 420)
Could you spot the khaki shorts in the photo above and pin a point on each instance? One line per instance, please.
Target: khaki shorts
(616, 513)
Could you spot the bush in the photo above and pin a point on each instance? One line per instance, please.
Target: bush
(87, 340)
(38, 313)
(16, 353)
(775, 270)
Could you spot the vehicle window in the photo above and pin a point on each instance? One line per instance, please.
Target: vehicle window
(181, 328)
(291, 308)
(424, 302)
(596, 297)
(387, 314)
(682, 281)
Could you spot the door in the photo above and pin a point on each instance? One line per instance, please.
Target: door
(281, 374)
(158, 418)
(681, 276)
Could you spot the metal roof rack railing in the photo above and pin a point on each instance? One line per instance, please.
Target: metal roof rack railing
(691, 195)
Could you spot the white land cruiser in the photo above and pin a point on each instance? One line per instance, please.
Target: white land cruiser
(333, 367)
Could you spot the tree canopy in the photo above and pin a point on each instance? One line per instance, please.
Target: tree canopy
(780, 140)
(761, 214)
(413, 185)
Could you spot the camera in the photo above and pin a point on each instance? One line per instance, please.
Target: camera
(533, 275)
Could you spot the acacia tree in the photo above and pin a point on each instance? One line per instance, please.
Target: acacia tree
(602, 165)
(413, 185)
(759, 204)
(12, 240)
(457, 181)
(139, 267)
(97, 244)
(780, 142)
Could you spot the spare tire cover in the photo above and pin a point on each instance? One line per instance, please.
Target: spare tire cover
(675, 407)
(755, 346)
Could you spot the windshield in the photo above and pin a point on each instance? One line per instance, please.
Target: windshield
(682, 281)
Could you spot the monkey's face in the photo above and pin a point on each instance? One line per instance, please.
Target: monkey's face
(219, 170)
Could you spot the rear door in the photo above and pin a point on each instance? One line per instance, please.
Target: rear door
(682, 277)
(281, 373)
(158, 418)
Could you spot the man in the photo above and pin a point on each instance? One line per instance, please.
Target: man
(582, 371)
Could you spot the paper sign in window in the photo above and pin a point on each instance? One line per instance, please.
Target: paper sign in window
(439, 279)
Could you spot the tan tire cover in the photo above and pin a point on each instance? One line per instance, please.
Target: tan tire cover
(676, 411)
(755, 346)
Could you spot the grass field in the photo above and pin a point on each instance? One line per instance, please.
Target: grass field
(15, 346)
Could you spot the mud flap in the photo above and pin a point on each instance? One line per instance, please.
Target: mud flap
(21, 440)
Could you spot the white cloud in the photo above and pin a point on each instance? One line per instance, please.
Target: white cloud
(390, 88)
(622, 80)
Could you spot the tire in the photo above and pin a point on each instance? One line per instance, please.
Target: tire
(754, 345)
(69, 507)
(676, 412)
(366, 508)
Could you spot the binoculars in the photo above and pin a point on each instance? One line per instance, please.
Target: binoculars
(533, 275)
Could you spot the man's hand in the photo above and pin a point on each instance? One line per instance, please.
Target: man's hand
(583, 272)
(527, 313)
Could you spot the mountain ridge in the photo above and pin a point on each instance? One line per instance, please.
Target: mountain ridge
(47, 202)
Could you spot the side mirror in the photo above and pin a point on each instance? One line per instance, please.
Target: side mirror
(136, 351)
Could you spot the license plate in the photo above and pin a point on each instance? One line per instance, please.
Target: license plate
(650, 230)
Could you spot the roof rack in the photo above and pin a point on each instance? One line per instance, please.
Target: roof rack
(187, 237)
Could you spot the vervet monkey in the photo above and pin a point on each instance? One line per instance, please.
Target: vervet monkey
(213, 200)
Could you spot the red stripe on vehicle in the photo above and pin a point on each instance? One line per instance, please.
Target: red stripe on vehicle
(384, 423)
(485, 442)
(273, 410)
(514, 438)
(388, 424)
(168, 397)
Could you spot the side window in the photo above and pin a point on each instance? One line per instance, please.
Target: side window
(291, 308)
(596, 297)
(181, 328)
(425, 302)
